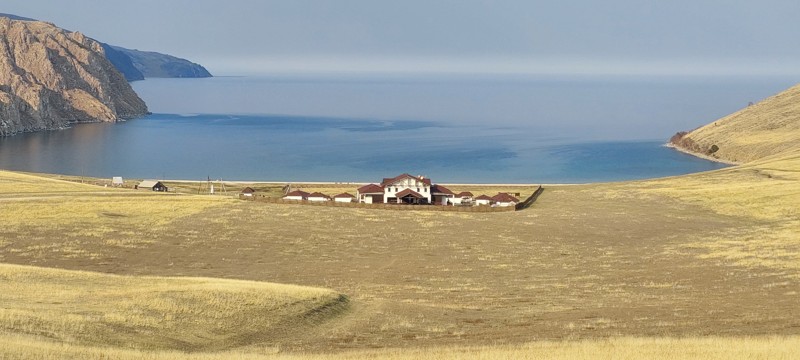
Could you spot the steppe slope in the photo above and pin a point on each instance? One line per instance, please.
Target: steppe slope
(768, 128)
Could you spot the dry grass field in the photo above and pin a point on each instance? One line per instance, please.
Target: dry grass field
(661, 258)
(699, 266)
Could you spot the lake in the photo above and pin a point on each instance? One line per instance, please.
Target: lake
(342, 128)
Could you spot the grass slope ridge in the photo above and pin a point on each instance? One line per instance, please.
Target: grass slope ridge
(155, 313)
(768, 128)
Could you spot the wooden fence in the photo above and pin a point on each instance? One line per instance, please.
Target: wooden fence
(483, 209)
(530, 200)
(399, 207)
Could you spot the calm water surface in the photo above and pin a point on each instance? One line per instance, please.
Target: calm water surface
(478, 130)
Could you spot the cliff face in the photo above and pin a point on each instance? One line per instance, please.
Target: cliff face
(758, 131)
(50, 77)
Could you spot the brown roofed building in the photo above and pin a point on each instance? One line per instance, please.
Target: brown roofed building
(483, 200)
(248, 191)
(370, 194)
(504, 199)
(296, 195)
(344, 197)
(318, 196)
(409, 196)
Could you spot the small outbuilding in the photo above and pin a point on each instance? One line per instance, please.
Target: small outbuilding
(463, 198)
(296, 195)
(483, 200)
(344, 198)
(117, 181)
(318, 197)
(504, 199)
(248, 191)
(153, 185)
(370, 194)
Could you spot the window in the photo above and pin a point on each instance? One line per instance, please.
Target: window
(417, 189)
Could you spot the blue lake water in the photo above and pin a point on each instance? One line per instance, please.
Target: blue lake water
(478, 130)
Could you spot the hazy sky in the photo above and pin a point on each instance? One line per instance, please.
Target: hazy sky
(519, 36)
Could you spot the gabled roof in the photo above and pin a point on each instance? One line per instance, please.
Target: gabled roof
(248, 190)
(409, 192)
(483, 197)
(464, 194)
(389, 181)
(505, 198)
(343, 196)
(150, 183)
(439, 189)
(298, 193)
(370, 189)
(319, 195)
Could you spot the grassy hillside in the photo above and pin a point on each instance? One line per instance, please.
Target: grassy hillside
(768, 128)
(188, 314)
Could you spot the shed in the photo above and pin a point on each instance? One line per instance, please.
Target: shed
(483, 200)
(154, 185)
(504, 199)
(318, 196)
(248, 191)
(344, 197)
(296, 195)
(117, 181)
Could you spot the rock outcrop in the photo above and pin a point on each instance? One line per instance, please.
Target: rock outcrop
(756, 132)
(50, 78)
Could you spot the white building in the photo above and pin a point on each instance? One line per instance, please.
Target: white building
(296, 195)
(248, 191)
(370, 194)
(317, 196)
(407, 189)
(483, 200)
(404, 189)
(344, 198)
(462, 198)
(504, 199)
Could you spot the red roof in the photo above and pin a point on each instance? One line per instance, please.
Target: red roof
(440, 189)
(464, 194)
(408, 192)
(298, 193)
(388, 181)
(483, 197)
(370, 189)
(505, 198)
(319, 195)
(248, 190)
(343, 195)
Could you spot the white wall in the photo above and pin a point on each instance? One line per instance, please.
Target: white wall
(293, 198)
(343, 200)
(390, 191)
(318, 199)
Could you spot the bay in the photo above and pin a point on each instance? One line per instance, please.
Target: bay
(344, 128)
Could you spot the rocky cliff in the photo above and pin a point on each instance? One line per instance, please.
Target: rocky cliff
(50, 77)
(758, 131)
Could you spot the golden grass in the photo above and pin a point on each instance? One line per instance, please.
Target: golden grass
(188, 314)
(767, 191)
(706, 348)
(24, 184)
